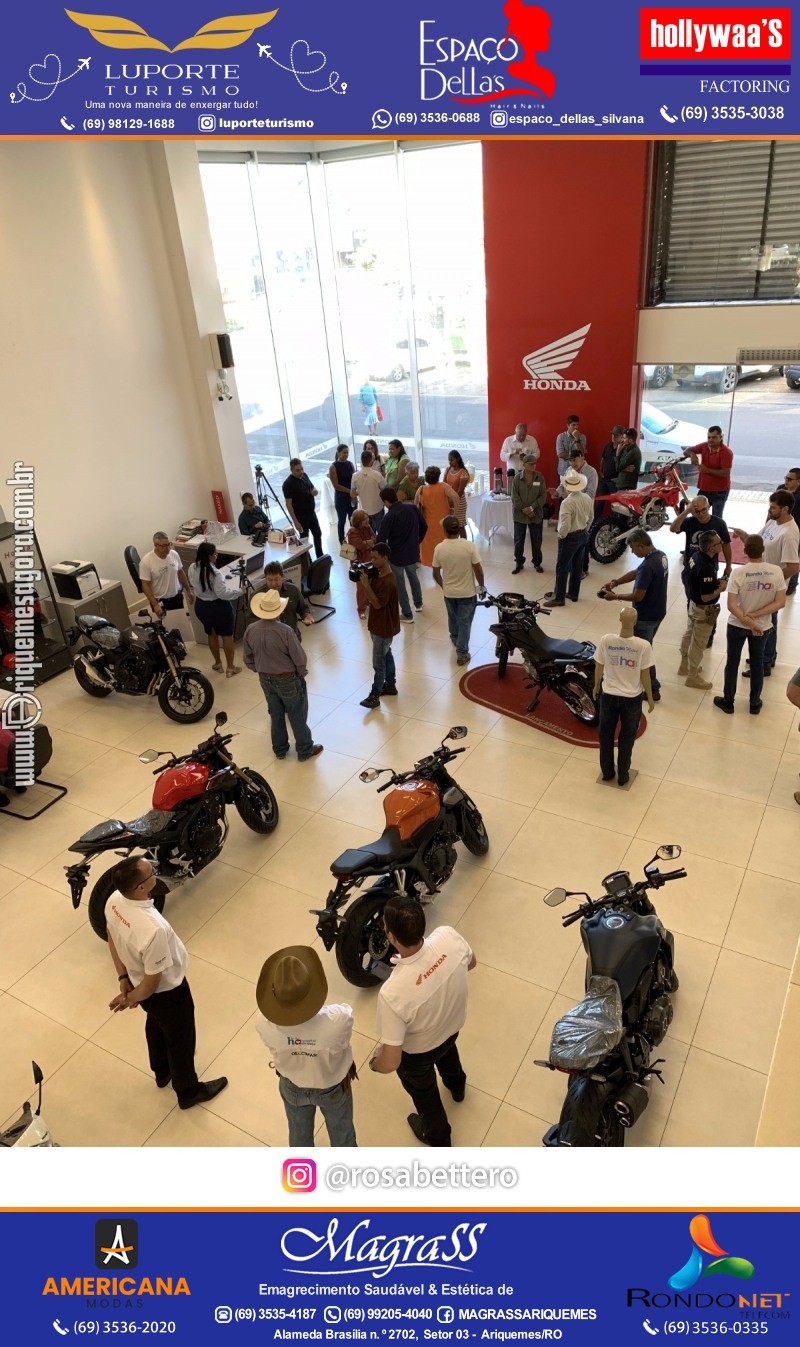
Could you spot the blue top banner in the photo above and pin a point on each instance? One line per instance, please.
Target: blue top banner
(304, 69)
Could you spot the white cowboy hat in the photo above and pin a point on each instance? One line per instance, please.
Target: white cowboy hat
(268, 604)
(574, 481)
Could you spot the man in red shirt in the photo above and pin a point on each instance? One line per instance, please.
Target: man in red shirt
(715, 461)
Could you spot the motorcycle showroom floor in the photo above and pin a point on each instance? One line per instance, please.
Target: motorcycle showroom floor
(722, 786)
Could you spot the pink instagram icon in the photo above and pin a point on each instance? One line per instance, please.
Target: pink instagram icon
(299, 1176)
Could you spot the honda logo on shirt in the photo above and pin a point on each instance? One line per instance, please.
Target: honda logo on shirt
(547, 365)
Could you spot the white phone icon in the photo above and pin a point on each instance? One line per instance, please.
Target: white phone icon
(59, 1329)
(665, 113)
(68, 126)
(646, 1324)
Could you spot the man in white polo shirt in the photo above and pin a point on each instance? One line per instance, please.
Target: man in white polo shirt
(151, 964)
(621, 677)
(310, 1045)
(421, 1008)
(458, 572)
(164, 581)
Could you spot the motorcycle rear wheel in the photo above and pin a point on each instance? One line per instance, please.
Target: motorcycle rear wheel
(86, 683)
(101, 893)
(256, 804)
(474, 834)
(587, 1118)
(604, 543)
(579, 701)
(198, 692)
(362, 941)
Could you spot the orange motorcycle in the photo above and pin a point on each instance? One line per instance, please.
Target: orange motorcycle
(426, 815)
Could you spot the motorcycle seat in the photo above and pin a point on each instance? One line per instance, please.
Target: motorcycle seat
(546, 645)
(90, 622)
(591, 1030)
(154, 821)
(388, 847)
(102, 831)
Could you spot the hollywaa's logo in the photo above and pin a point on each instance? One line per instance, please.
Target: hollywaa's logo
(546, 366)
(112, 31)
(463, 66)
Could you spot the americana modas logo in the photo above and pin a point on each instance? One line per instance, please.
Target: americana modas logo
(112, 31)
(546, 366)
(116, 1244)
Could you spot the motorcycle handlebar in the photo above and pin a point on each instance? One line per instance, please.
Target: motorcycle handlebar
(674, 874)
(572, 918)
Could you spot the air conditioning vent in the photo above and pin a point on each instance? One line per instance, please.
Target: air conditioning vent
(784, 355)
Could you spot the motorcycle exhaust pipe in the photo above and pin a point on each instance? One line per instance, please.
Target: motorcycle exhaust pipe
(92, 674)
(631, 1103)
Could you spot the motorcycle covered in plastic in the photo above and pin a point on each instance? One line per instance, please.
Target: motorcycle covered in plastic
(605, 1044)
(187, 826)
(565, 668)
(427, 814)
(144, 660)
(30, 1128)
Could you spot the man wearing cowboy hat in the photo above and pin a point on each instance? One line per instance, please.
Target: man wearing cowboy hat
(574, 519)
(310, 1043)
(272, 650)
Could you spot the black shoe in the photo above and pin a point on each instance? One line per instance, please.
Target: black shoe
(206, 1090)
(555, 603)
(538, 569)
(518, 568)
(371, 701)
(623, 780)
(727, 707)
(458, 1095)
(755, 708)
(389, 690)
(316, 749)
(612, 777)
(767, 672)
(415, 1123)
(163, 1081)
(575, 600)
(281, 756)
(656, 694)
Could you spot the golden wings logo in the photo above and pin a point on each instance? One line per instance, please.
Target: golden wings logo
(112, 31)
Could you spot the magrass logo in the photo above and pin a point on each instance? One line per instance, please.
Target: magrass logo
(219, 34)
(116, 1244)
(546, 365)
(695, 1267)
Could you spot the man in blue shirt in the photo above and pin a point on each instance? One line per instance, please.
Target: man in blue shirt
(402, 528)
(649, 593)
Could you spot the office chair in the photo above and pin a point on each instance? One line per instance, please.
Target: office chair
(132, 560)
(317, 580)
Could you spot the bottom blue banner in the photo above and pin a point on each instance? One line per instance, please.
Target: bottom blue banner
(410, 1277)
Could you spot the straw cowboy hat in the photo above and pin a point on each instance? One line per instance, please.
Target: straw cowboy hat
(292, 987)
(574, 481)
(268, 604)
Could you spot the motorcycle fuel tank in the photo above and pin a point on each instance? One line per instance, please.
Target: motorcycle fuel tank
(410, 805)
(178, 784)
(621, 945)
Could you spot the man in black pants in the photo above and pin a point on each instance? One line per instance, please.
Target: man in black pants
(151, 965)
(299, 494)
(421, 1008)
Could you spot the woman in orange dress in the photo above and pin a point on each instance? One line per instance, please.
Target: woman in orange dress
(457, 477)
(435, 499)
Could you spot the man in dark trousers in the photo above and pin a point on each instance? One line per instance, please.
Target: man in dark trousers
(402, 529)
(421, 1008)
(608, 467)
(271, 649)
(791, 482)
(649, 593)
(151, 965)
(383, 624)
(299, 493)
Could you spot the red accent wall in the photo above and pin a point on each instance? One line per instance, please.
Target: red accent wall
(564, 228)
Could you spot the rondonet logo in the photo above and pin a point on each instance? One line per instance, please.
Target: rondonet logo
(757, 1305)
(476, 67)
(358, 1251)
(718, 34)
(546, 366)
(112, 31)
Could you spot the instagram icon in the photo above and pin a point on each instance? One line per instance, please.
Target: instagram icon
(299, 1176)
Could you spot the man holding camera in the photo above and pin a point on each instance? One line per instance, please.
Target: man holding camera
(383, 623)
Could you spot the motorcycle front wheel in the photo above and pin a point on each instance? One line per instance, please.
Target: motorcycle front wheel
(579, 701)
(604, 541)
(101, 893)
(501, 651)
(587, 1118)
(86, 683)
(361, 941)
(256, 804)
(473, 829)
(188, 699)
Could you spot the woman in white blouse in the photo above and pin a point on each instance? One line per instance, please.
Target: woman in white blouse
(213, 600)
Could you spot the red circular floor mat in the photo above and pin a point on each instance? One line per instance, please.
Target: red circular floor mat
(512, 694)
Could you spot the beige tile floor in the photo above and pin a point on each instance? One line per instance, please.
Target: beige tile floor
(721, 786)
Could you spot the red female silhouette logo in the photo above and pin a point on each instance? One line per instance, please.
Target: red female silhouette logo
(529, 27)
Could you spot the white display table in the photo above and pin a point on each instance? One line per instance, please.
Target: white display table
(489, 513)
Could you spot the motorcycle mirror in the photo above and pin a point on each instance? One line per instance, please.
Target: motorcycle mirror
(670, 852)
(555, 896)
(221, 718)
(369, 774)
(457, 732)
(149, 755)
(38, 1074)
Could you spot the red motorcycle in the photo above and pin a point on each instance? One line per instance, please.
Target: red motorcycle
(644, 508)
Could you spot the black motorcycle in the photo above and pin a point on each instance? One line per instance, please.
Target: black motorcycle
(143, 661)
(563, 667)
(415, 855)
(187, 826)
(604, 1044)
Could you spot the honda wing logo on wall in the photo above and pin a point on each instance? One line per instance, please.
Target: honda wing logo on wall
(546, 366)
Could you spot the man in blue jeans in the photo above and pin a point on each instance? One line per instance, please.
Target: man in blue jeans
(622, 667)
(272, 650)
(649, 593)
(383, 624)
(755, 591)
(309, 1044)
(574, 518)
(402, 529)
(457, 570)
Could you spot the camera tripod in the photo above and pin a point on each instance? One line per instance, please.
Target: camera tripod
(264, 491)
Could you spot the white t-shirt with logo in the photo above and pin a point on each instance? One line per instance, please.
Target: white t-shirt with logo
(425, 999)
(753, 586)
(781, 542)
(456, 557)
(623, 658)
(162, 573)
(145, 941)
(316, 1055)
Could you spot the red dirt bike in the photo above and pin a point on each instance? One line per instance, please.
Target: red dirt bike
(644, 508)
